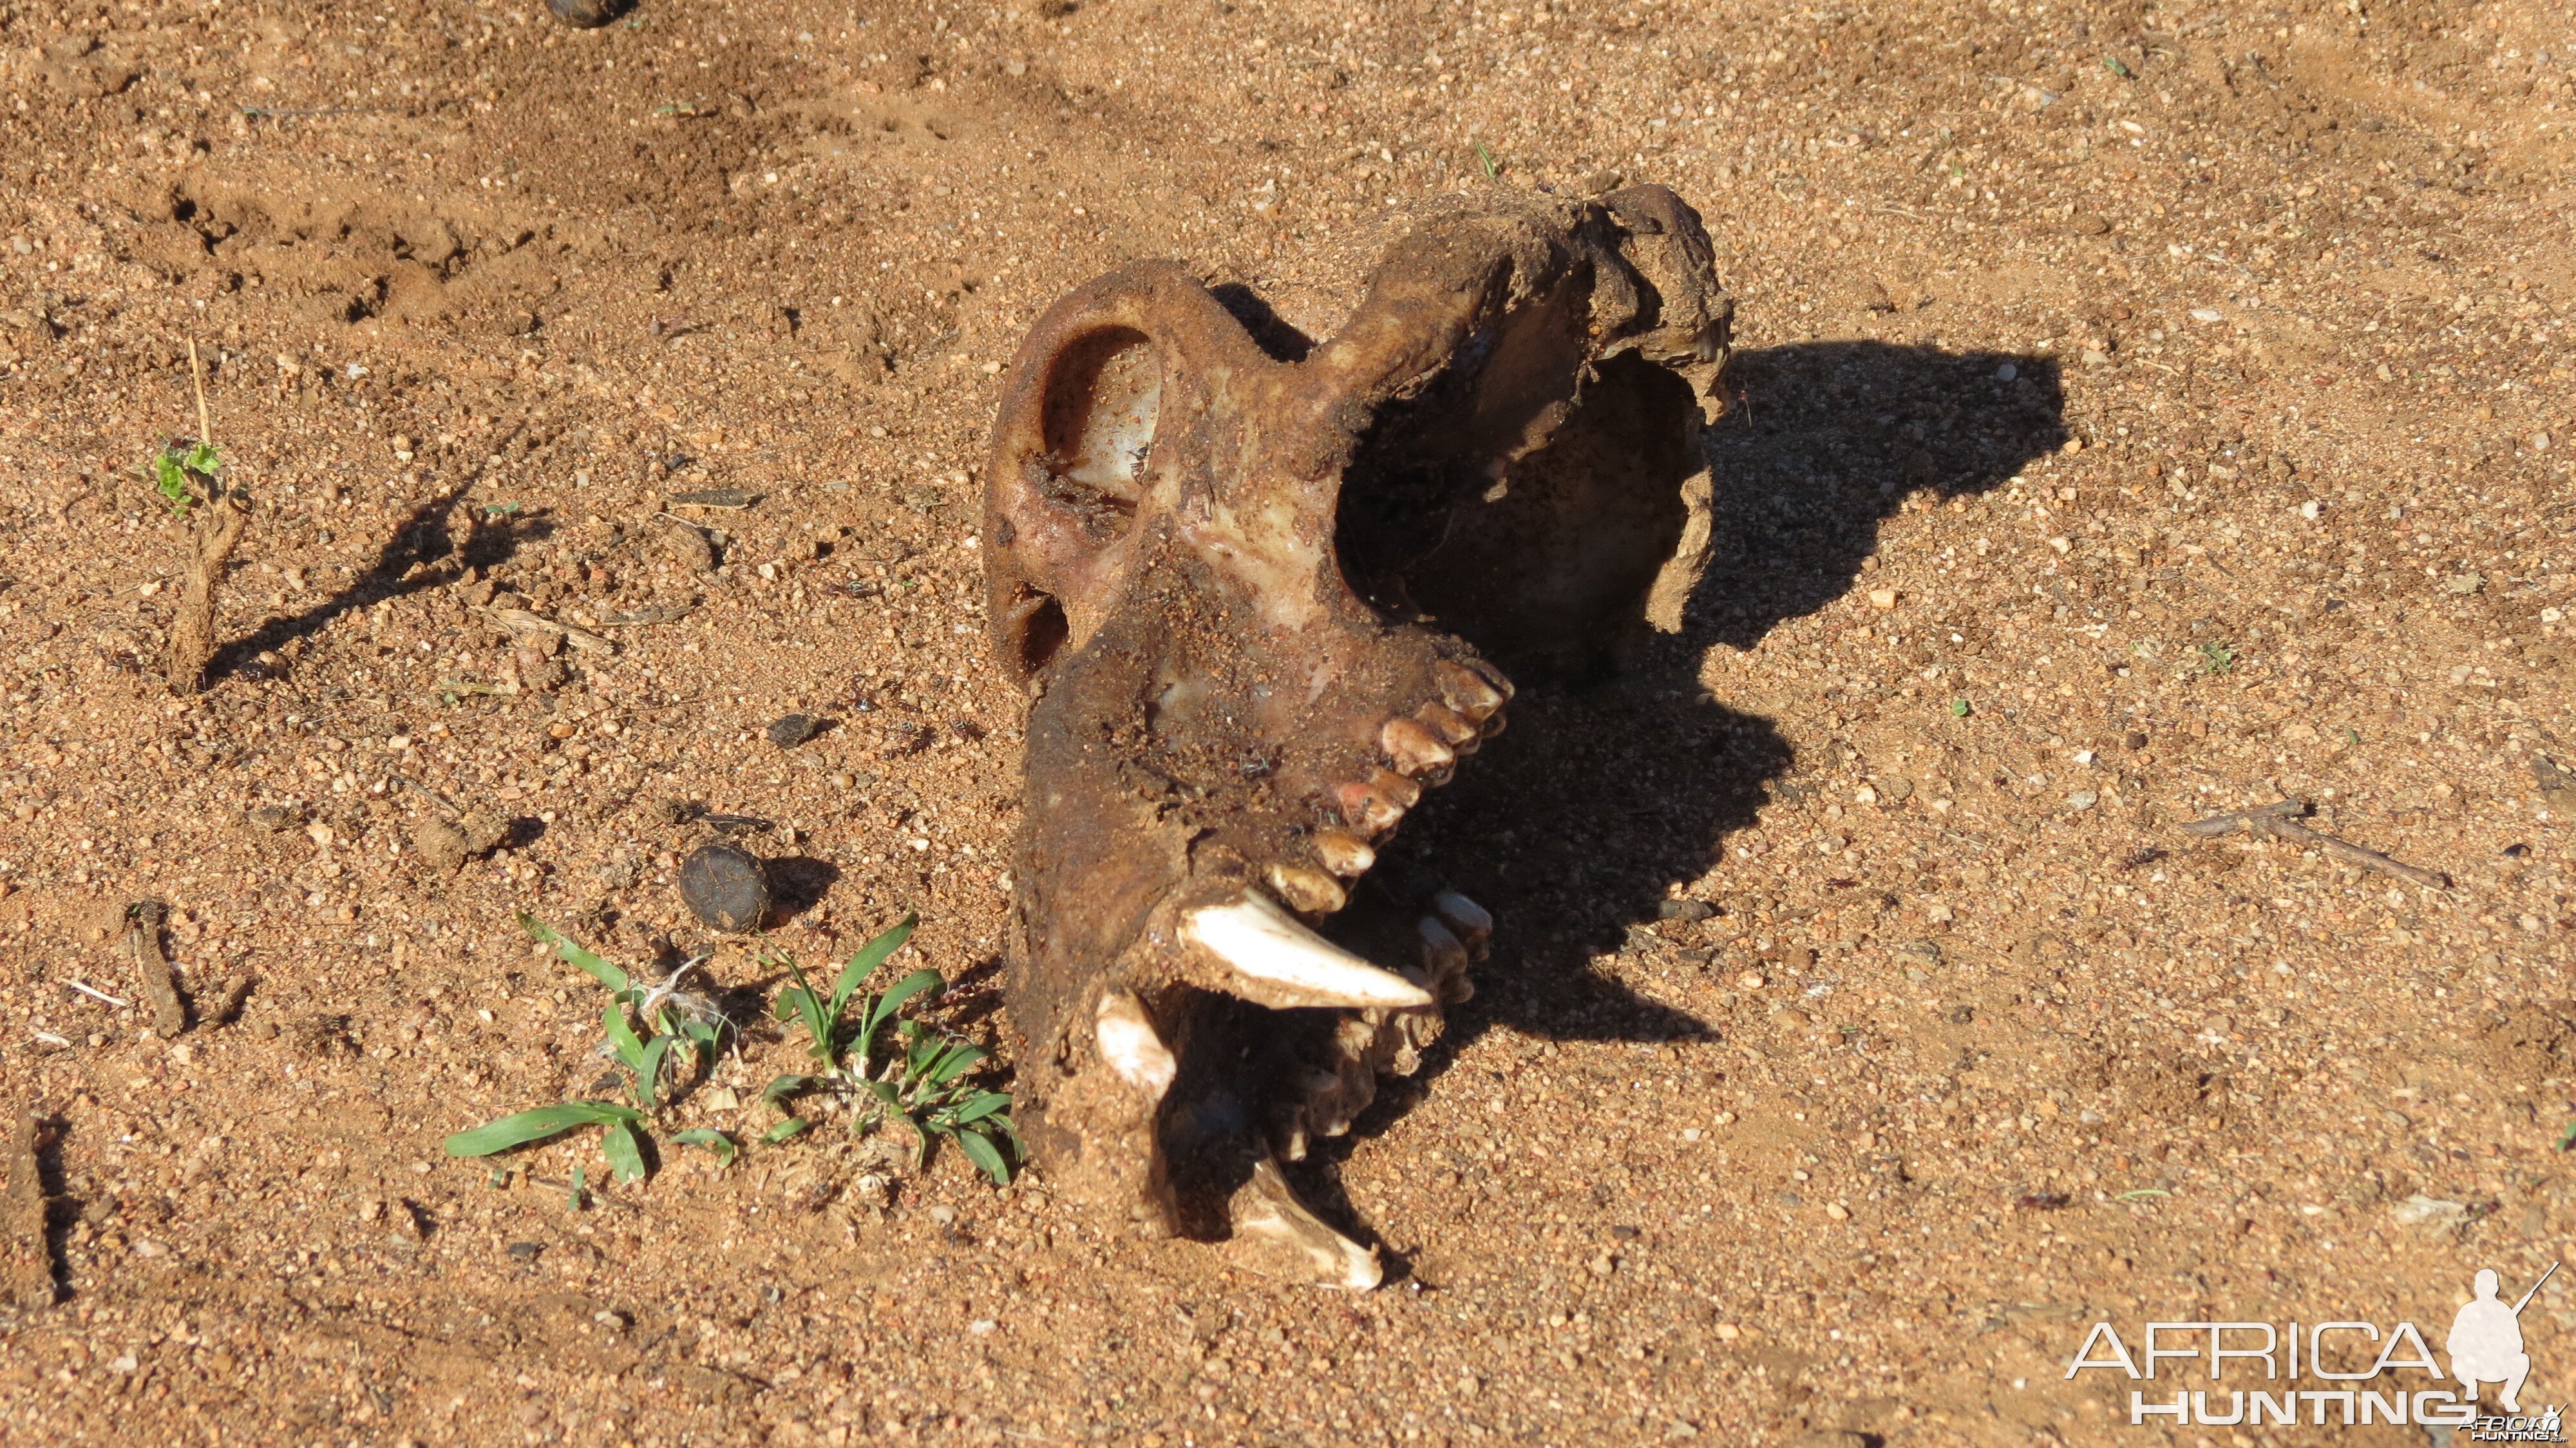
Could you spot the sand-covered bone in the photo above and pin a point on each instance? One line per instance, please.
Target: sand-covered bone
(1267, 590)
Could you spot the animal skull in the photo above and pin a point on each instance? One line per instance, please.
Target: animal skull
(1264, 593)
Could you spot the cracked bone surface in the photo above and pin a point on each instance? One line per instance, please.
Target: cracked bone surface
(1268, 592)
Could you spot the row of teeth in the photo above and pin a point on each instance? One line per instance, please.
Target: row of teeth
(1264, 954)
(1369, 1043)
(1422, 748)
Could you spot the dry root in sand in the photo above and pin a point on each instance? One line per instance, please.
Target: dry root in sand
(1266, 591)
(192, 479)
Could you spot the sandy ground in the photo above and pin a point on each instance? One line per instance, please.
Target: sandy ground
(2143, 411)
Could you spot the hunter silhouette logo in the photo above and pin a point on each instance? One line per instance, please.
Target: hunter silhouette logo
(2363, 1375)
(2486, 1340)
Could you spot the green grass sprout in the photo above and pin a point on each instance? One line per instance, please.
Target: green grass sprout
(185, 475)
(663, 1034)
(923, 1079)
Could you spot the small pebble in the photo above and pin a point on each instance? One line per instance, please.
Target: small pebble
(725, 887)
(1750, 980)
(789, 730)
(1684, 910)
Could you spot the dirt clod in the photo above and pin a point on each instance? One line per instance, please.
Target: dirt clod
(789, 730)
(725, 887)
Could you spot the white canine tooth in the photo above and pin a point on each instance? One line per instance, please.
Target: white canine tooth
(1276, 1236)
(1129, 1043)
(1275, 961)
(1312, 891)
(1470, 920)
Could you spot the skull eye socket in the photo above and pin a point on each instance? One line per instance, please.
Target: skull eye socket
(1102, 400)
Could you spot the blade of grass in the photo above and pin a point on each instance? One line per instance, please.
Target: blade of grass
(710, 1138)
(648, 1077)
(864, 962)
(572, 954)
(901, 991)
(979, 1107)
(980, 1150)
(622, 1038)
(955, 1063)
(783, 1130)
(537, 1125)
(625, 1152)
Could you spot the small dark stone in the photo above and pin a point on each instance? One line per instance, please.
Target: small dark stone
(725, 887)
(789, 730)
(588, 14)
(279, 818)
(525, 1251)
(2136, 740)
(1684, 910)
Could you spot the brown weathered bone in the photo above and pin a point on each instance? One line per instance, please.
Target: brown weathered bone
(1264, 593)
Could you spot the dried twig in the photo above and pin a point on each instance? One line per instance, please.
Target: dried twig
(2280, 821)
(26, 1256)
(143, 942)
(520, 621)
(217, 530)
(94, 993)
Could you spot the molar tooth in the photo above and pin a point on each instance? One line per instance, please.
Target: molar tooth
(1396, 787)
(1311, 891)
(1471, 691)
(1415, 750)
(1377, 804)
(1277, 1236)
(1472, 923)
(1494, 724)
(1444, 956)
(1130, 1044)
(1367, 811)
(1452, 726)
(1345, 855)
(1272, 960)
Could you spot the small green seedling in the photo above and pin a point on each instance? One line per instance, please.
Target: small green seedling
(2217, 658)
(662, 1034)
(1485, 159)
(183, 476)
(1959, 708)
(922, 1080)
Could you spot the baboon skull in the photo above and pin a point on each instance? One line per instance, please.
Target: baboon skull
(1265, 593)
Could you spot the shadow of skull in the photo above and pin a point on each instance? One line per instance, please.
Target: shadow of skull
(1264, 593)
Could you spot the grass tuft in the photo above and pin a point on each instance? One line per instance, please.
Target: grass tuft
(922, 1079)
